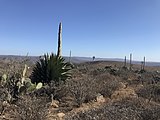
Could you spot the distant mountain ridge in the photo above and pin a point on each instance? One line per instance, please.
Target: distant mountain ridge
(76, 59)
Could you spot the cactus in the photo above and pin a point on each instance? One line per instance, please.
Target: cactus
(130, 62)
(28, 86)
(141, 65)
(125, 62)
(4, 77)
(59, 52)
(70, 55)
(39, 85)
(31, 88)
(17, 84)
(21, 84)
(144, 62)
(24, 73)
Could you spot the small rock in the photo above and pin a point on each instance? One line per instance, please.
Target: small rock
(122, 85)
(55, 103)
(61, 115)
(100, 98)
(5, 104)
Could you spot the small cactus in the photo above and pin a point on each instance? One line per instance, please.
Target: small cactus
(125, 61)
(24, 73)
(4, 77)
(39, 85)
(130, 67)
(25, 70)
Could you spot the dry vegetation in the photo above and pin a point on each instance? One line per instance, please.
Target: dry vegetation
(96, 91)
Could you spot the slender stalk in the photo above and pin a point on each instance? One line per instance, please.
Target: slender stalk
(130, 61)
(70, 54)
(125, 61)
(59, 52)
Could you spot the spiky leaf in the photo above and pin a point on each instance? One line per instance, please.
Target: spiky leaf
(51, 68)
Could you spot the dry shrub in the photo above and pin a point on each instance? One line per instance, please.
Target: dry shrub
(26, 108)
(3, 94)
(151, 91)
(106, 84)
(146, 79)
(86, 89)
(58, 92)
(126, 109)
(81, 90)
(127, 74)
(152, 113)
(32, 108)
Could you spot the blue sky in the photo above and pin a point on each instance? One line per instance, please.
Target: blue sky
(103, 28)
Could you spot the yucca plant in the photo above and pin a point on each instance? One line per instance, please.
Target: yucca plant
(51, 68)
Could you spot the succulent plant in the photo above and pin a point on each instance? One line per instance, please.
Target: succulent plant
(51, 68)
(3, 79)
(39, 86)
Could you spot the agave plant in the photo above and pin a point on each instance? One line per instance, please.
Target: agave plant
(51, 68)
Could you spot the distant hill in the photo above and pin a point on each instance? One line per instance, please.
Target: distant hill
(87, 59)
(33, 59)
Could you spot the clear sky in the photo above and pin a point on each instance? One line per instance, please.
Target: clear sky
(103, 28)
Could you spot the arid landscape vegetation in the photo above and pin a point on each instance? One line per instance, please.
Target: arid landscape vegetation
(108, 69)
(52, 88)
(97, 90)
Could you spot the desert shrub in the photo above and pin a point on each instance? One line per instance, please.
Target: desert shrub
(98, 71)
(5, 94)
(13, 85)
(152, 113)
(78, 91)
(106, 84)
(151, 91)
(12, 65)
(50, 68)
(126, 74)
(145, 92)
(147, 78)
(9, 87)
(32, 108)
(81, 90)
(58, 92)
(125, 109)
(87, 88)
(115, 111)
(27, 108)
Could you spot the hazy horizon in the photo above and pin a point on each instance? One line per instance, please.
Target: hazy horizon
(87, 57)
(101, 28)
